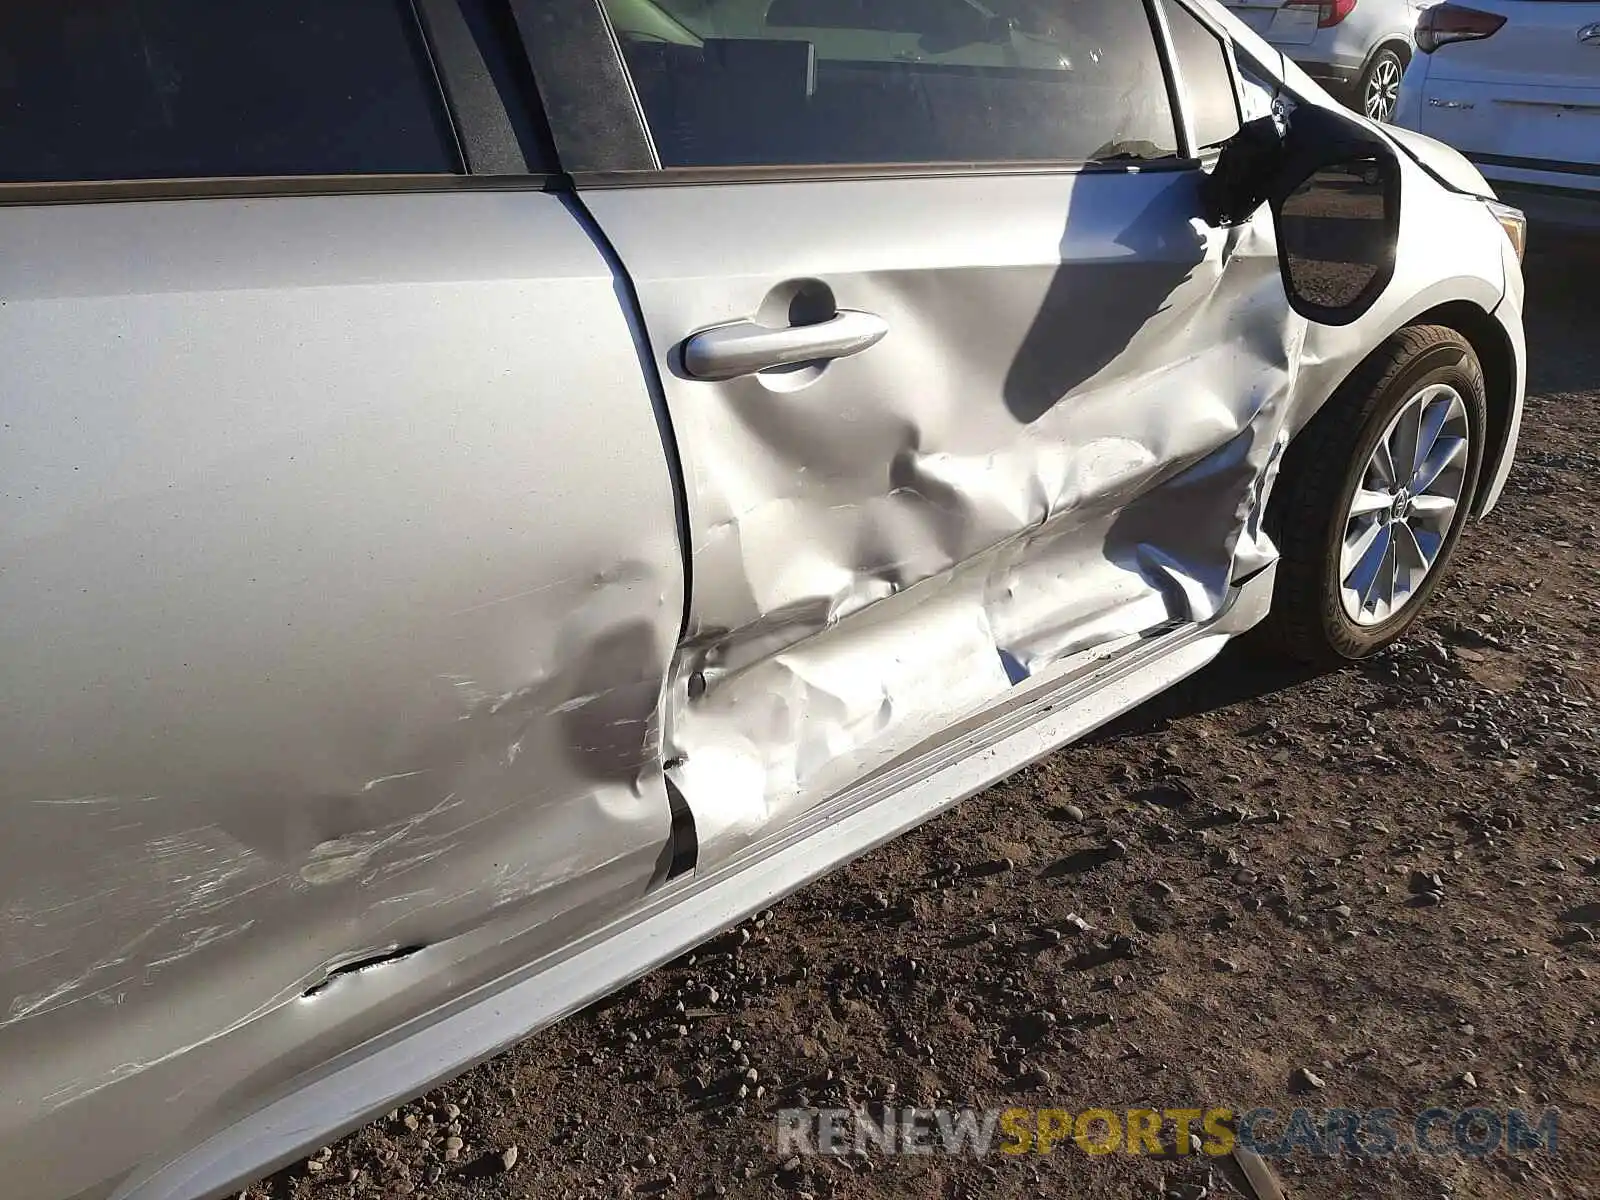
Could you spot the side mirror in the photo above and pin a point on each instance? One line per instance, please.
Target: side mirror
(1333, 186)
(1337, 231)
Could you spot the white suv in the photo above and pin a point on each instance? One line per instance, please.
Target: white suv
(1515, 85)
(1356, 49)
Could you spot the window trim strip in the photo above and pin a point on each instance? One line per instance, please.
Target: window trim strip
(251, 186)
(701, 176)
(1172, 73)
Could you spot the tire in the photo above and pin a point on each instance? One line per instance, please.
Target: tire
(1311, 511)
(1380, 85)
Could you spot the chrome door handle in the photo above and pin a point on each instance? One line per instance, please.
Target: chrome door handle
(744, 348)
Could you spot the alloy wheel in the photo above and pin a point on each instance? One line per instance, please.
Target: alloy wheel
(1382, 91)
(1402, 511)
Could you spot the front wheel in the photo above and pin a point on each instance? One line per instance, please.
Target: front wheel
(1373, 496)
(1380, 85)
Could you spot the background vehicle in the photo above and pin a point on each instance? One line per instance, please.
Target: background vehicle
(491, 499)
(1515, 85)
(1356, 49)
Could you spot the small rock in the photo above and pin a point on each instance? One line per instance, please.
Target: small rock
(1425, 881)
(1305, 1080)
(1116, 848)
(508, 1158)
(1466, 1080)
(1228, 965)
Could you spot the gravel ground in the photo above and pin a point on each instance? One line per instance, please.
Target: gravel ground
(1372, 888)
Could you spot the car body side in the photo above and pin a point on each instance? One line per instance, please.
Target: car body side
(347, 566)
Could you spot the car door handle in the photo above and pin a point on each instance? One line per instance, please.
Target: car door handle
(744, 348)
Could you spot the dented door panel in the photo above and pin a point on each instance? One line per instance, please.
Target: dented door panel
(1060, 444)
(332, 636)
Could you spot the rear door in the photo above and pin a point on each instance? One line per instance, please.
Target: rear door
(1524, 101)
(338, 563)
(963, 387)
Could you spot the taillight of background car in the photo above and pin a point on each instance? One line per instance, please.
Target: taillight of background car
(1446, 23)
(1329, 12)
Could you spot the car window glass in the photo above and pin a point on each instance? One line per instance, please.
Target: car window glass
(1260, 93)
(1203, 64)
(811, 82)
(146, 89)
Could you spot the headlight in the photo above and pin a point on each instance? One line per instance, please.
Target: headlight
(1514, 223)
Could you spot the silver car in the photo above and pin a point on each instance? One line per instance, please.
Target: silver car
(1357, 49)
(493, 493)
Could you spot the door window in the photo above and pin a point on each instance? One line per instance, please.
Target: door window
(815, 82)
(1203, 64)
(152, 89)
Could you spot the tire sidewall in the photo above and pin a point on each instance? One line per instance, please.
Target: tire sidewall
(1446, 363)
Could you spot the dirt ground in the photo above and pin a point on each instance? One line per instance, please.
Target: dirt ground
(1258, 917)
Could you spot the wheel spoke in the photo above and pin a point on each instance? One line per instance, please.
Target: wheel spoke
(1407, 548)
(1383, 464)
(1363, 580)
(1444, 452)
(1355, 549)
(1428, 544)
(1436, 512)
(1403, 441)
(1367, 501)
(1383, 582)
(1417, 558)
(1434, 416)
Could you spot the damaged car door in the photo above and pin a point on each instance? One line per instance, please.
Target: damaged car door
(966, 392)
(333, 633)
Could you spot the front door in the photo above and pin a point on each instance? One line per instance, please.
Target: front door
(962, 385)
